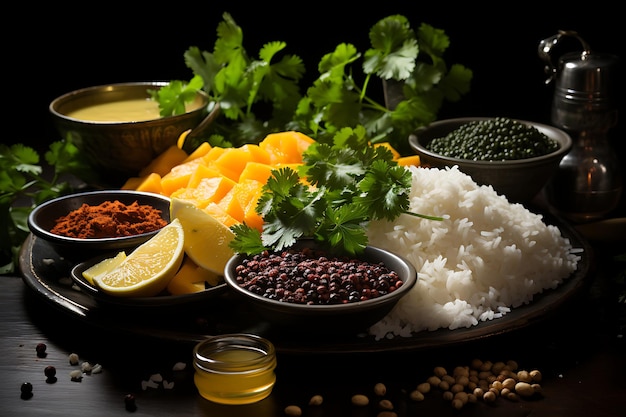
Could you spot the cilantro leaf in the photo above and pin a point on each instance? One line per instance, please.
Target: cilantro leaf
(340, 188)
(24, 185)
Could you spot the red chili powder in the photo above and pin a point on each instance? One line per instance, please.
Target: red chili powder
(109, 219)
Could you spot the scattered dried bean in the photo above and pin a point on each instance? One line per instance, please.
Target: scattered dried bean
(360, 400)
(380, 389)
(316, 400)
(293, 411)
(385, 404)
(415, 395)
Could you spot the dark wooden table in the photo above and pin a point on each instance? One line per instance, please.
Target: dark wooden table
(579, 348)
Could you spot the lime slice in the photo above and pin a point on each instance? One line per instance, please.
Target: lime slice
(149, 268)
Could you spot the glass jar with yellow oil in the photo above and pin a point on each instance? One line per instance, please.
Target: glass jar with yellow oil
(234, 368)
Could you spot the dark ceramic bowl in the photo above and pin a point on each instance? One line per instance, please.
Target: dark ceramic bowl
(519, 180)
(43, 218)
(120, 149)
(338, 318)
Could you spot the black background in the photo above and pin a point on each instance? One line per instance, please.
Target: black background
(54, 49)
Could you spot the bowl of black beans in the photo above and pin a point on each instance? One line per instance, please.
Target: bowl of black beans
(516, 157)
(308, 289)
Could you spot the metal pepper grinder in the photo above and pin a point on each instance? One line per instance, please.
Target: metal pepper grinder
(588, 184)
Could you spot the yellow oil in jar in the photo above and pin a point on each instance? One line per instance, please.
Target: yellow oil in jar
(234, 369)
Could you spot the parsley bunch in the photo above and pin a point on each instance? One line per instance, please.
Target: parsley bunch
(24, 184)
(256, 96)
(339, 189)
(409, 65)
(262, 95)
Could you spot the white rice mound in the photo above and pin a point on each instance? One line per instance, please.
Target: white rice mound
(486, 257)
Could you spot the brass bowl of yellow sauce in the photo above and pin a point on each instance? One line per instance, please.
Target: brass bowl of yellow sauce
(118, 127)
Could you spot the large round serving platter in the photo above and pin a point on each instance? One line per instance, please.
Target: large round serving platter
(48, 276)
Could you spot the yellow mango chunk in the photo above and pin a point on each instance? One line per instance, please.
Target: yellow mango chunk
(231, 206)
(203, 171)
(256, 171)
(199, 152)
(247, 194)
(233, 160)
(208, 190)
(151, 184)
(180, 142)
(179, 176)
(285, 147)
(163, 163)
(409, 160)
(257, 153)
(132, 183)
(220, 214)
(214, 153)
(192, 278)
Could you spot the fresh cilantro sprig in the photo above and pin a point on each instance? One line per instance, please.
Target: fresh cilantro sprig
(338, 190)
(262, 95)
(24, 184)
(410, 66)
(173, 97)
(256, 96)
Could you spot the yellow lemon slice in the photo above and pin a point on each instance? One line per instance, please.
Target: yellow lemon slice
(103, 266)
(206, 238)
(149, 268)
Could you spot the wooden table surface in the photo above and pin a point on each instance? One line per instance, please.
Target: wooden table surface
(579, 349)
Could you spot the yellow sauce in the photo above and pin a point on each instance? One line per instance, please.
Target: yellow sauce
(235, 374)
(135, 110)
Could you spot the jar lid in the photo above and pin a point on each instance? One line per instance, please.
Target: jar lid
(587, 77)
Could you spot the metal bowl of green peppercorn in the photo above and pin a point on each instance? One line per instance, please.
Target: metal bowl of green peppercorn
(515, 157)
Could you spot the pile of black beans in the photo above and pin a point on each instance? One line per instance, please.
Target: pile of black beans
(309, 276)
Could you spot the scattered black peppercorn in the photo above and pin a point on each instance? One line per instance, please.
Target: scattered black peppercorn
(129, 402)
(26, 390)
(41, 350)
(50, 373)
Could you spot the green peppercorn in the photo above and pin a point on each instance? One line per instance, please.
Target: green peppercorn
(497, 139)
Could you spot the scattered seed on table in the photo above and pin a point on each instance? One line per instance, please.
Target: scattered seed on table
(535, 375)
(316, 400)
(293, 411)
(415, 395)
(86, 367)
(73, 358)
(41, 350)
(50, 372)
(129, 402)
(76, 376)
(26, 390)
(385, 404)
(360, 400)
(179, 366)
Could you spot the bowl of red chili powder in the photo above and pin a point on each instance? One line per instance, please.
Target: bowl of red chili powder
(91, 223)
